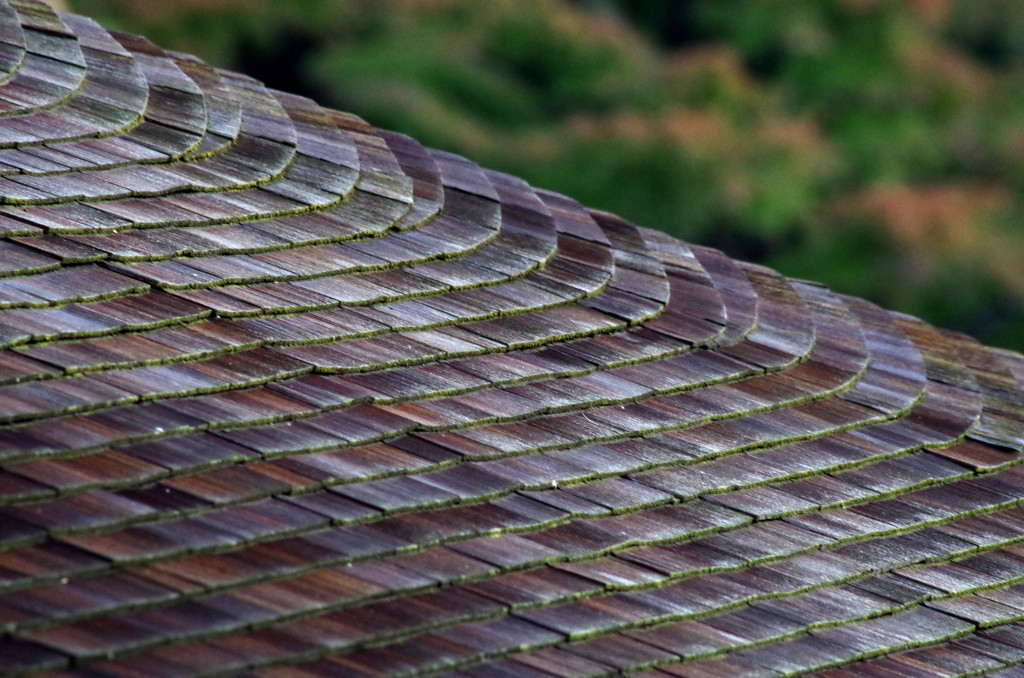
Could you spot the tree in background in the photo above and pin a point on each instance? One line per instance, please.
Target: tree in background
(876, 145)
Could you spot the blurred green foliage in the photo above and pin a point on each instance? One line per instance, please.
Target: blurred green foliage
(875, 145)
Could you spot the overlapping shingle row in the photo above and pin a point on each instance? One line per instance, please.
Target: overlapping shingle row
(282, 393)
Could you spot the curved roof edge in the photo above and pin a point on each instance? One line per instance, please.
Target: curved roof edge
(283, 393)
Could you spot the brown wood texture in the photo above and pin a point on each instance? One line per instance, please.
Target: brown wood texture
(283, 394)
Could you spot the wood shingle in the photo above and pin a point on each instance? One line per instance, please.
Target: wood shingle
(283, 394)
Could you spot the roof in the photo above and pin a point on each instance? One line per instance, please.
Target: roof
(288, 394)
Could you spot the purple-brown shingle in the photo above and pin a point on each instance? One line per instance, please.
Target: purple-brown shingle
(282, 393)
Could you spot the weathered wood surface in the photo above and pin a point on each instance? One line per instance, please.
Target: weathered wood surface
(285, 394)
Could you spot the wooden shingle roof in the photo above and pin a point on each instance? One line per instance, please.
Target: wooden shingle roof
(288, 395)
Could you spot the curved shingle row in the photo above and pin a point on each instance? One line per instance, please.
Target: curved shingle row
(287, 395)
